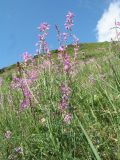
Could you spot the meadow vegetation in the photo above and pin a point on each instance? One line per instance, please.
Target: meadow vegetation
(62, 104)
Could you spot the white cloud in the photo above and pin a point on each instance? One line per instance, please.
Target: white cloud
(107, 21)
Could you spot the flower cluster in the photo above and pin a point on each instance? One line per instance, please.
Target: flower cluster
(42, 44)
(67, 118)
(69, 20)
(27, 57)
(24, 81)
(65, 91)
(27, 78)
(66, 63)
(44, 27)
(64, 103)
(64, 59)
(65, 36)
(61, 49)
(21, 83)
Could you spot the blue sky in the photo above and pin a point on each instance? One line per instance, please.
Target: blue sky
(19, 20)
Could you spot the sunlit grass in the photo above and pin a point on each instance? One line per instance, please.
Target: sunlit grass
(94, 104)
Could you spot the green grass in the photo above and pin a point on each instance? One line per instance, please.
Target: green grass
(94, 131)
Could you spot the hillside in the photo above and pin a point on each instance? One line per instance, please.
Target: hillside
(62, 107)
(86, 52)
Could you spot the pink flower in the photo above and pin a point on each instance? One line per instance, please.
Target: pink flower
(67, 118)
(26, 92)
(61, 49)
(20, 83)
(65, 90)
(64, 103)
(46, 49)
(43, 46)
(24, 104)
(42, 37)
(27, 57)
(70, 15)
(67, 63)
(44, 27)
(65, 36)
(49, 55)
(69, 20)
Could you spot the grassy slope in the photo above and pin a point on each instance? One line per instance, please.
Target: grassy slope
(87, 50)
(94, 105)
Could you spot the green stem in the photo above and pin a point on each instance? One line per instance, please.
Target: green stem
(89, 141)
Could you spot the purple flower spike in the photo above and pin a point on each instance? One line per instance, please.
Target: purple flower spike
(69, 21)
